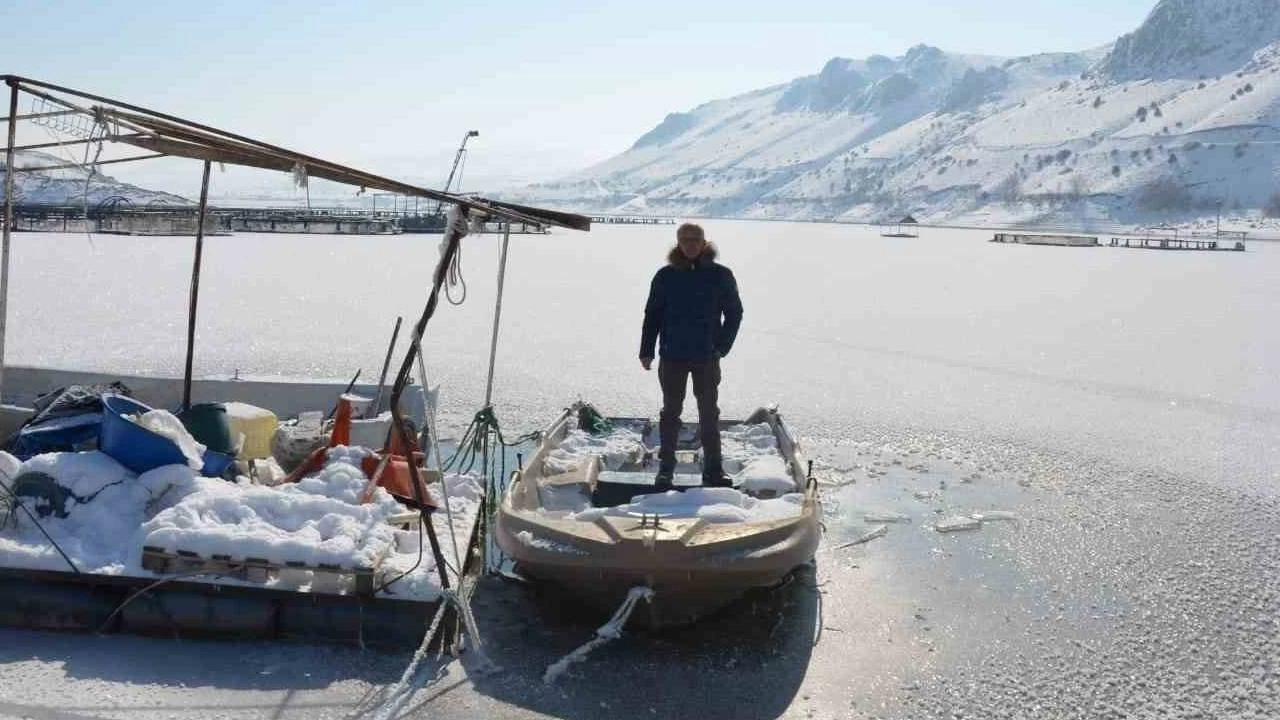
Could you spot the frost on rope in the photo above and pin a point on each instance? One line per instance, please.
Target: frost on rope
(609, 631)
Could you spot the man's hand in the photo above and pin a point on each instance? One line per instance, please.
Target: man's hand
(647, 363)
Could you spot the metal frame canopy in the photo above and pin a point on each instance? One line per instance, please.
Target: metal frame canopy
(100, 119)
(164, 135)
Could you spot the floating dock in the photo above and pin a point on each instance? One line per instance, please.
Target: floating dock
(1221, 241)
(633, 220)
(1055, 240)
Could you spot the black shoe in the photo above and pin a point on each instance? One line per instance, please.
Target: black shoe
(717, 480)
(663, 479)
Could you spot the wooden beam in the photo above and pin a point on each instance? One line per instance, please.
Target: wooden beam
(205, 135)
(194, 300)
(8, 223)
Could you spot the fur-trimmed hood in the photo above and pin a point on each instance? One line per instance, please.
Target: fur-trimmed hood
(675, 258)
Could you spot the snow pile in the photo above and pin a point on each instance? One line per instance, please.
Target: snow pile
(114, 513)
(713, 504)
(103, 534)
(84, 474)
(315, 521)
(766, 475)
(752, 457)
(615, 449)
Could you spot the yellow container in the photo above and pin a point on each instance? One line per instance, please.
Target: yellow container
(258, 425)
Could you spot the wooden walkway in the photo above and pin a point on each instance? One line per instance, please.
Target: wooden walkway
(1224, 241)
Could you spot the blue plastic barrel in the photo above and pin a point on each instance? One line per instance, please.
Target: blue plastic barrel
(140, 449)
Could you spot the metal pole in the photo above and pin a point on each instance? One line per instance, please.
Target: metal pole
(195, 286)
(386, 365)
(8, 220)
(497, 311)
(452, 238)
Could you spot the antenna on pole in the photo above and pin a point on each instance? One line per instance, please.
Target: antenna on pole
(457, 160)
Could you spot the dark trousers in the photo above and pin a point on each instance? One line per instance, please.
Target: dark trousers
(674, 375)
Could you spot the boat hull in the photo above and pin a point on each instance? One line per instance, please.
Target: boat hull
(693, 566)
(678, 598)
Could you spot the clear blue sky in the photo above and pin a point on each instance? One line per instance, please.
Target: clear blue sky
(551, 86)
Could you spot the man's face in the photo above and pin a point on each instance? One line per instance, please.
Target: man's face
(691, 243)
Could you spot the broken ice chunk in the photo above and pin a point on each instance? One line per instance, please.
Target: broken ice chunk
(885, 517)
(992, 515)
(868, 536)
(957, 523)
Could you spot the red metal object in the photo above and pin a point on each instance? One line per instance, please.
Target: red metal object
(388, 468)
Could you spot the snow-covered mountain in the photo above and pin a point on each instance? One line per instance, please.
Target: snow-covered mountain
(67, 186)
(1174, 119)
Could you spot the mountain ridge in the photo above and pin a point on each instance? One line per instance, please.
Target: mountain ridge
(963, 138)
(67, 185)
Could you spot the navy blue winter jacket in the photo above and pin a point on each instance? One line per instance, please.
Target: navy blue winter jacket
(694, 307)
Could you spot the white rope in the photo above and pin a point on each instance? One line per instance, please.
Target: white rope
(497, 311)
(611, 630)
(458, 223)
(444, 481)
(400, 693)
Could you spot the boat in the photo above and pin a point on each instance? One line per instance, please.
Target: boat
(584, 514)
(338, 549)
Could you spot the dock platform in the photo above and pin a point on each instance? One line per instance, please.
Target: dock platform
(1039, 239)
(1227, 241)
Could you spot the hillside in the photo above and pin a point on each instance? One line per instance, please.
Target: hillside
(67, 186)
(1173, 120)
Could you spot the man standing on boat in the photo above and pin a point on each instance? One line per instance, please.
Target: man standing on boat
(694, 308)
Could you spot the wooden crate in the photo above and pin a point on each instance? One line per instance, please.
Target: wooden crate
(254, 570)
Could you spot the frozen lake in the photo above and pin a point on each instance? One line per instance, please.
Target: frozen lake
(1156, 357)
(1117, 412)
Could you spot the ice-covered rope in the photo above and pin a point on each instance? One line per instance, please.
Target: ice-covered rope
(92, 167)
(454, 219)
(444, 480)
(611, 630)
(400, 693)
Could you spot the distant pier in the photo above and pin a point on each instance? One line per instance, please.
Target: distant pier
(1037, 239)
(123, 218)
(633, 220)
(1223, 240)
(114, 219)
(1229, 241)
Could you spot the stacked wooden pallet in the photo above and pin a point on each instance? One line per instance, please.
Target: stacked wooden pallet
(362, 580)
